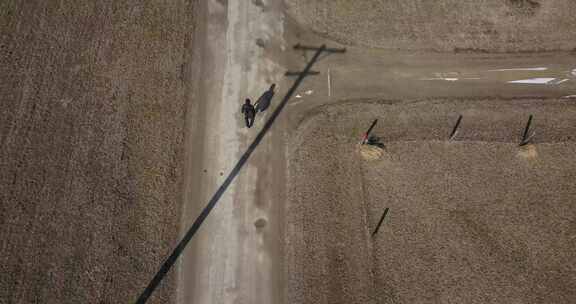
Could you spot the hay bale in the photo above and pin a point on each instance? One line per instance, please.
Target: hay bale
(370, 153)
(528, 152)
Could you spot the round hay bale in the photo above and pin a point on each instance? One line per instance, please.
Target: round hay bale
(369, 152)
(528, 152)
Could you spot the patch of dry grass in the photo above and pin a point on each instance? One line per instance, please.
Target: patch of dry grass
(447, 25)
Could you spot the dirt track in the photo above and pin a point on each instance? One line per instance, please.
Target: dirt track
(91, 125)
(478, 220)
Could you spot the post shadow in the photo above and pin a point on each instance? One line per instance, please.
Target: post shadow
(455, 129)
(380, 222)
(525, 136)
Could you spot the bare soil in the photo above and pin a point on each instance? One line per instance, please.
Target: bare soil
(91, 125)
(94, 98)
(475, 220)
(448, 25)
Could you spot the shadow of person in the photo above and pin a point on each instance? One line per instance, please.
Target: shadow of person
(264, 101)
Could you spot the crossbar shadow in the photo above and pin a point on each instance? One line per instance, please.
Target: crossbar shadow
(171, 260)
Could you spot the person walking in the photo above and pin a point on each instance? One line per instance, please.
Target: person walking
(249, 113)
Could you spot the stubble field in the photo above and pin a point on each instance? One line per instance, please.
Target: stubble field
(475, 220)
(91, 125)
(445, 26)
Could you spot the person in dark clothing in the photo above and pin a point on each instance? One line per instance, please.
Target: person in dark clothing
(249, 112)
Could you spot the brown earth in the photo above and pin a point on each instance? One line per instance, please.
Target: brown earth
(448, 25)
(94, 98)
(93, 104)
(475, 220)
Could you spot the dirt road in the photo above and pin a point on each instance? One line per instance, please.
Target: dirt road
(236, 256)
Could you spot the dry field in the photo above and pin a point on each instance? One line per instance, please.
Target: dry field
(447, 25)
(476, 220)
(91, 126)
(94, 98)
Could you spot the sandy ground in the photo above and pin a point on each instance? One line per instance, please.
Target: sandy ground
(91, 125)
(449, 25)
(477, 220)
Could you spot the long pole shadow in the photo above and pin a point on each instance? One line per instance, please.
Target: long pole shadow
(171, 260)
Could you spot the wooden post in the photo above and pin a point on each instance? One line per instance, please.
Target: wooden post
(369, 130)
